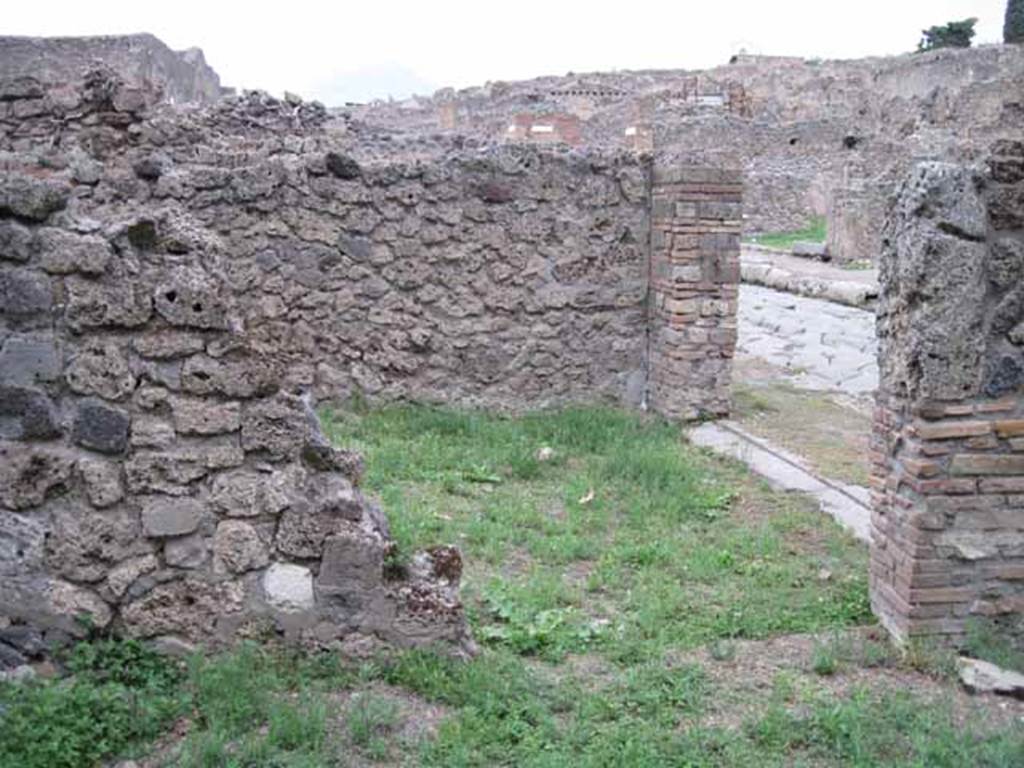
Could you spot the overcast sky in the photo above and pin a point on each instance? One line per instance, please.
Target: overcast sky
(353, 51)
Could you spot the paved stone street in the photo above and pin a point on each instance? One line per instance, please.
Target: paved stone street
(819, 344)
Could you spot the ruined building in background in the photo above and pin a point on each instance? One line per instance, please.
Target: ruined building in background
(813, 138)
(180, 285)
(142, 60)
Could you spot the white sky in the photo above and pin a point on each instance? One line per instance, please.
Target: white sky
(338, 51)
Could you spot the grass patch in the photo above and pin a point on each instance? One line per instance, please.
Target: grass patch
(593, 567)
(371, 719)
(815, 232)
(892, 729)
(626, 542)
(825, 661)
(118, 697)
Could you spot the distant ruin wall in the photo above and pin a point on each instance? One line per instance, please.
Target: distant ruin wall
(948, 443)
(855, 217)
(178, 287)
(797, 128)
(184, 76)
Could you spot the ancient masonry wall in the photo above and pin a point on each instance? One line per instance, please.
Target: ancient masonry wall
(154, 476)
(695, 243)
(948, 444)
(178, 288)
(502, 278)
(507, 279)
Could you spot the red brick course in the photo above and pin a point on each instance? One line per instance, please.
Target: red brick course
(695, 272)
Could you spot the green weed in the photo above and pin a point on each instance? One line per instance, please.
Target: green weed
(120, 695)
(814, 232)
(625, 548)
(988, 641)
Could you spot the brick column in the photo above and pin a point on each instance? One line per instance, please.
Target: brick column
(695, 253)
(948, 443)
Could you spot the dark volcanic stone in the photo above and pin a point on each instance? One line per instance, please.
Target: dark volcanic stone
(15, 241)
(149, 168)
(10, 658)
(31, 198)
(24, 293)
(24, 639)
(493, 192)
(26, 414)
(342, 166)
(100, 427)
(1005, 375)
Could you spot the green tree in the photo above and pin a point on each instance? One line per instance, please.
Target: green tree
(955, 34)
(1013, 27)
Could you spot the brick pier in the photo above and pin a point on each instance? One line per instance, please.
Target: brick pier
(696, 217)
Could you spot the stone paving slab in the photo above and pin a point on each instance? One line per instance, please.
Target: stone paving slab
(819, 344)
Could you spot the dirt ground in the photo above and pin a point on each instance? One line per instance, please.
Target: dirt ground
(830, 430)
(745, 674)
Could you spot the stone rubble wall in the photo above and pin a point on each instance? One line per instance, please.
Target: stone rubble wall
(508, 279)
(789, 169)
(494, 277)
(157, 476)
(154, 475)
(695, 267)
(948, 443)
(180, 286)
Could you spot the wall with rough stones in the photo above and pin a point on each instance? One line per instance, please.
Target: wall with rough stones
(948, 443)
(508, 278)
(501, 277)
(790, 170)
(156, 477)
(178, 288)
